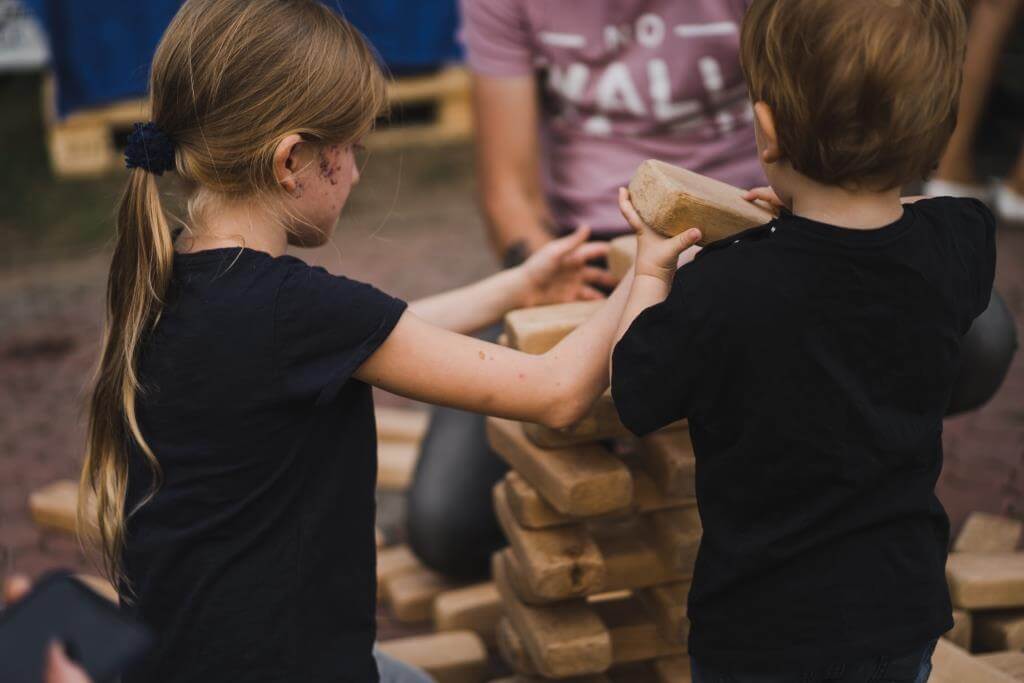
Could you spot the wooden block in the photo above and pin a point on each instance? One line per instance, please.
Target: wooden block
(55, 506)
(677, 533)
(962, 631)
(564, 640)
(951, 664)
(396, 462)
(630, 558)
(411, 594)
(401, 424)
(635, 636)
(671, 200)
(667, 605)
(474, 608)
(533, 512)
(557, 563)
(583, 482)
(621, 254)
(983, 581)
(512, 650)
(450, 657)
(537, 330)
(984, 533)
(668, 456)
(600, 423)
(100, 586)
(1011, 663)
(392, 562)
(673, 670)
(994, 631)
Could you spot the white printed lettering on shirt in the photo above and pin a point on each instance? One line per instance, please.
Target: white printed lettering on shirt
(562, 39)
(650, 30)
(616, 91)
(597, 125)
(661, 94)
(569, 81)
(617, 36)
(711, 74)
(718, 28)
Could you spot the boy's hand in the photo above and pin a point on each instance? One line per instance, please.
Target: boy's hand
(558, 272)
(656, 255)
(766, 195)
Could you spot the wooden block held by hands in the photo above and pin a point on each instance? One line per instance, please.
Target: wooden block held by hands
(450, 656)
(670, 200)
(985, 533)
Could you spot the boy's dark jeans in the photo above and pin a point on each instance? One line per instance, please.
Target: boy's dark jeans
(913, 667)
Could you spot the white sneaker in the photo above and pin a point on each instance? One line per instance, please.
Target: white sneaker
(1009, 205)
(937, 187)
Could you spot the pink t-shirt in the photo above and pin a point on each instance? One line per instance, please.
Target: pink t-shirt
(623, 81)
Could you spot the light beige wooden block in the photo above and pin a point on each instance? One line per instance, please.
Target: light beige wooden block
(621, 254)
(99, 585)
(583, 482)
(671, 200)
(1011, 663)
(668, 456)
(986, 581)
(537, 330)
(673, 670)
(396, 462)
(411, 594)
(999, 630)
(392, 562)
(401, 424)
(677, 533)
(512, 650)
(600, 423)
(557, 563)
(985, 533)
(55, 506)
(474, 608)
(667, 605)
(568, 639)
(635, 635)
(951, 664)
(450, 656)
(963, 629)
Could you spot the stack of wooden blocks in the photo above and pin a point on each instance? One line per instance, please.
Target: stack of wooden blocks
(603, 532)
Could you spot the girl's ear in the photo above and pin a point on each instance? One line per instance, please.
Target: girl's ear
(768, 136)
(286, 160)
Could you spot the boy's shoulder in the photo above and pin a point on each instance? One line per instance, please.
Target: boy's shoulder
(962, 217)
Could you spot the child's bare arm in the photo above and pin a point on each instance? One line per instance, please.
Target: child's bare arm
(427, 363)
(556, 273)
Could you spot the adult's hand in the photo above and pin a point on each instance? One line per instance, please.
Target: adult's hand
(59, 669)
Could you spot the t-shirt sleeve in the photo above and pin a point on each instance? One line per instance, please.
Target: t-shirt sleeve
(497, 37)
(660, 365)
(978, 248)
(326, 327)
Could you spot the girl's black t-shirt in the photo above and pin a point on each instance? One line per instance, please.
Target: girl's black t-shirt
(815, 364)
(254, 560)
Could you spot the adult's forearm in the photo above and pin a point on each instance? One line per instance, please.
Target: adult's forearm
(514, 218)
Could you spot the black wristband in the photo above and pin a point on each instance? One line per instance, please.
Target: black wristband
(515, 254)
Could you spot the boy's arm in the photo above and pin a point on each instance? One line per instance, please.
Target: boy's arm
(426, 363)
(557, 273)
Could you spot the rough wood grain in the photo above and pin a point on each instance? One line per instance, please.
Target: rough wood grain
(667, 605)
(557, 563)
(630, 558)
(985, 533)
(584, 481)
(951, 664)
(512, 650)
(474, 608)
(411, 594)
(994, 631)
(670, 199)
(635, 635)
(564, 640)
(677, 533)
(668, 456)
(450, 657)
(986, 581)
(536, 330)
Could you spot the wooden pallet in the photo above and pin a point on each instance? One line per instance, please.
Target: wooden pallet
(86, 143)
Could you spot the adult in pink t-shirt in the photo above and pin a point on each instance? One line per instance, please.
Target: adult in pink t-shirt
(572, 95)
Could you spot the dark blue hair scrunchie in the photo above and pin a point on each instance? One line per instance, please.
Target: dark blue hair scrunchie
(149, 148)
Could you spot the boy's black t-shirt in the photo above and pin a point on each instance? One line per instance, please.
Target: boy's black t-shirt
(814, 364)
(255, 559)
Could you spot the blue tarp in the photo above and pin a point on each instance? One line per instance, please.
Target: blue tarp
(101, 49)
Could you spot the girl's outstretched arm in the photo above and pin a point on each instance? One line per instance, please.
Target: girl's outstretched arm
(556, 273)
(425, 362)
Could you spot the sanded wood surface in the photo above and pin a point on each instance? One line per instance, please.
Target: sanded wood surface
(536, 330)
(985, 533)
(556, 563)
(582, 481)
(512, 650)
(984, 581)
(474, 608)
(677, 533)
(668, 456)
(411, 594)
(450, 656)
(671, 199)
(667, 605)
(635, 635)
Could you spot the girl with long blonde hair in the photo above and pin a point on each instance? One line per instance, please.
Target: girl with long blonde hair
(231, 448)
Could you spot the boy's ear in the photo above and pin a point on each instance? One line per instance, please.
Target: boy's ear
(770, 152)
(286, 160)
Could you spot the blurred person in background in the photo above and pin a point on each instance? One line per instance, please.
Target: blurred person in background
(570, 98)
(59, 669)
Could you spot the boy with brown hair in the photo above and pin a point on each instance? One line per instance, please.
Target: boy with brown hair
(814, 356)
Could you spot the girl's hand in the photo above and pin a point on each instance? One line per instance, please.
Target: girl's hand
(766, 195)
(558, 271)
(656, 255)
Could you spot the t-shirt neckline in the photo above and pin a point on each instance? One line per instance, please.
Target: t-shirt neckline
(849, 236)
